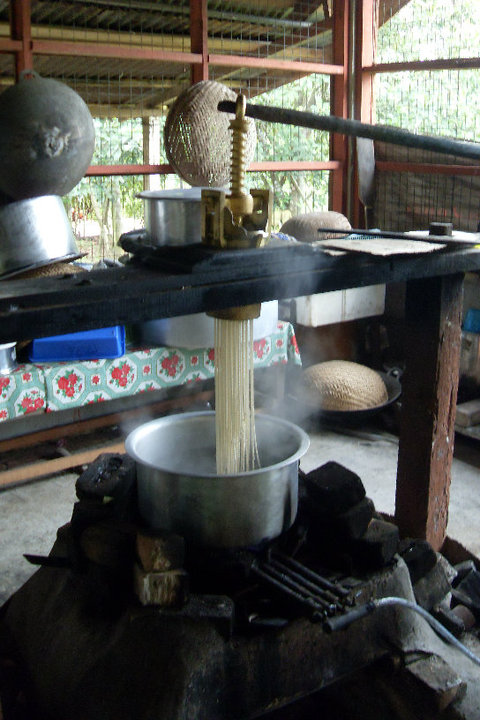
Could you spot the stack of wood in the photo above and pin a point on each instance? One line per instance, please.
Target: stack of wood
(159, 577)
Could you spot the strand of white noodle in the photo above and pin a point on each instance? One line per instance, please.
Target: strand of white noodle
(236, 446)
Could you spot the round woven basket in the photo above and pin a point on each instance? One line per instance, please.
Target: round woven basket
(341, 385)
(197, 137)
(308, 226)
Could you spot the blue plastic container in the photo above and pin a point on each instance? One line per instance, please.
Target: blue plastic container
(88, 345)
(472, 321)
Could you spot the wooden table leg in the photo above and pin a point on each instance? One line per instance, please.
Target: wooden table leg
(432, 354)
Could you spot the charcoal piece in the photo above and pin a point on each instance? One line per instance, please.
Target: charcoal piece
(436, 680)
(377, 546)
(463, 569)
(466, 616)
(419, 557)
(335, 488)
(467, 591)
(432, 588)
(108, 544)
(450, 620)
(349, 525)
(110, 475)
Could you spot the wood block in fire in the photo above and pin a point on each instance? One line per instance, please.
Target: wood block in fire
(108, 544)
(165, 589)
(158, 552)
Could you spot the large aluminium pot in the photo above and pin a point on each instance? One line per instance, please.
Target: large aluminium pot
(34, 233)
(179, 490)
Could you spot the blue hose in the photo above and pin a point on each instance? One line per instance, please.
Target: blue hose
(342, 621)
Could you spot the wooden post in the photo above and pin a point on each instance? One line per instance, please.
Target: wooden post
(199, 38)
(339, 107)
(430, 383)
(21, 29)
(364, 56)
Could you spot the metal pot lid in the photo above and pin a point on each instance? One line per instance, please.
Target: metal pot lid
(186, 194)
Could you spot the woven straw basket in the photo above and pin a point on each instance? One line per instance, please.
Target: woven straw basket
(341, 385)
(197, 136)
(306, 227)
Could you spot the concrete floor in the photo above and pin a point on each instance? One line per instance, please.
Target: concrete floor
(31, 514)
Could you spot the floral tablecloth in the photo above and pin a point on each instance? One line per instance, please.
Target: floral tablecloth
(47, 387)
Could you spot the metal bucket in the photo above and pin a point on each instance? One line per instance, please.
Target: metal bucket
(179, 490)
(34, 233)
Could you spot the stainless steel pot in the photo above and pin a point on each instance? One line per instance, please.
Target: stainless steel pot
(34, 233)
(172, 217)
(179, 490)
(8, 358)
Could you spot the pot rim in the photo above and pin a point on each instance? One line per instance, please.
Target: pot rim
(303, 438)
(193, 194)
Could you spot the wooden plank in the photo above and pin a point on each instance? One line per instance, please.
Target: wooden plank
(33, 471)
(49, 306)
(430, 382)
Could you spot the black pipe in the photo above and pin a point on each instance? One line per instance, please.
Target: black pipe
(331, 123)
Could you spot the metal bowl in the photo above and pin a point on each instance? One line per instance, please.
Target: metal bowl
(179, 490)
(34, 233)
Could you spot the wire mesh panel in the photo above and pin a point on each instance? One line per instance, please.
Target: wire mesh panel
(294, 33)
(427, 30)
(433, 102)
(281, 29)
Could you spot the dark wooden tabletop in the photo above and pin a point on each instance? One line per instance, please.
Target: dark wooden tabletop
(179, 281)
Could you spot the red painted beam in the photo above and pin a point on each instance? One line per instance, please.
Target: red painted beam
(21, 29)
(165, 169)
(339, 151)
(199, 38)
(272, 64)
(108, 170)
(54, 47)
(294, 165)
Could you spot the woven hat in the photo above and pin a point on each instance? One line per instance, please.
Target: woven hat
(343, 385)
(306, 227)
(197, 137)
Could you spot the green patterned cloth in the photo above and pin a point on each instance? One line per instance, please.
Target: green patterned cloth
(47, 387)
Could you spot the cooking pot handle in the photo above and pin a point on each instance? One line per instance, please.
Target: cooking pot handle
(28, 74)
(395, 372)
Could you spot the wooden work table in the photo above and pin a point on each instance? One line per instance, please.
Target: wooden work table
(181, 281)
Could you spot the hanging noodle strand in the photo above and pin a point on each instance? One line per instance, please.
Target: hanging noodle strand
(236, 445)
